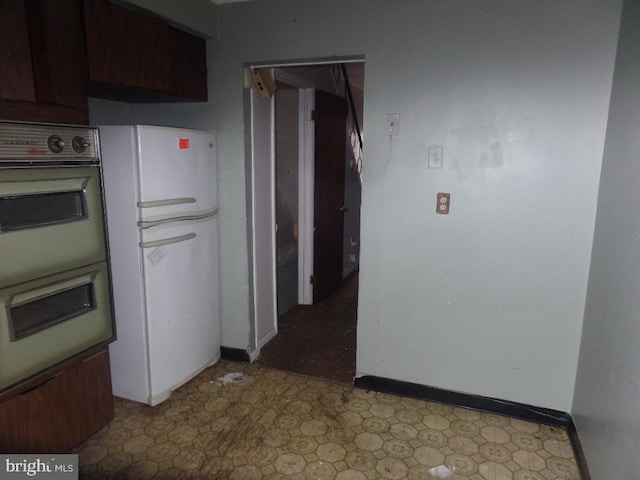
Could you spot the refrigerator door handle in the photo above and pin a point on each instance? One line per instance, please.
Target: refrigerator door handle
(166, 201)
(181, 218)
(167, 241)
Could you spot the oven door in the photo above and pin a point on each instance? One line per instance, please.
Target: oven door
(46, 321)
(50, 220)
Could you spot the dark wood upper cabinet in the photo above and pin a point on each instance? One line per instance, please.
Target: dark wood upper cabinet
(53, 53)
(16, 70)
(42, 61)
(188, 65)
(126, 47)
(57, 49)
(137, 57)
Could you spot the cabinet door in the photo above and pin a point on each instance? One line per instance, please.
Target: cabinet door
(188, 65)
(42, 66)
(57, 49)
(16, 72)
(60, 413)
(125, 47)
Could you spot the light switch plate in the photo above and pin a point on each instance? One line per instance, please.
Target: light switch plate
(434, 157)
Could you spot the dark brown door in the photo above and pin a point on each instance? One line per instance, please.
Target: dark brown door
(330, 141)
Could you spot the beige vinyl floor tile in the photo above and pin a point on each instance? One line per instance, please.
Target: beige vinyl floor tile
(276, 425)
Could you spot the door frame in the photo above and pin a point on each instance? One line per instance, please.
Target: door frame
(265, 287)
(264, 316)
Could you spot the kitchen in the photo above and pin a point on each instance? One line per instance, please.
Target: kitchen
(521, 108)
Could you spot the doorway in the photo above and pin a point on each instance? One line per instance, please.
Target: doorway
(294, 190)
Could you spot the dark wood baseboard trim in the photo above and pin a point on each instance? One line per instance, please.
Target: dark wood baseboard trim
(546, 416)
(529, 413)
(235, 354)
(581, 460)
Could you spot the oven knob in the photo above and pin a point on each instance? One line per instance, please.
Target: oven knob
(79, 144)
(55, 144)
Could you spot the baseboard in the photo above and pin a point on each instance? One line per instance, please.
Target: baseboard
(577, 451)
(235, 354)
(546, 416)
(529, 413)
(267, 338)
(253, 355)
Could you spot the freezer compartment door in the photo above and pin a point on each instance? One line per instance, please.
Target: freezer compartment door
(181, 282)
(177, 170)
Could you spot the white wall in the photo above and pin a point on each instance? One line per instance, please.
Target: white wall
(606, 407)
(489, 299)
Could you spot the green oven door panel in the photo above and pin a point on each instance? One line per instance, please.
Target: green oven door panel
(78, 323)
(51, 220)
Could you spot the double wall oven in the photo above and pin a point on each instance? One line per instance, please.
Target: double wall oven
(55, 300)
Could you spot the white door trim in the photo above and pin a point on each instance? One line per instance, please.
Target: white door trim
(263, 220)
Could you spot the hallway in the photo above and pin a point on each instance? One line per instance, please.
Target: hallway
(318, 340)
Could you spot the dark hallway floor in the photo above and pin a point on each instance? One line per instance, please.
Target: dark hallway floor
(318, 340)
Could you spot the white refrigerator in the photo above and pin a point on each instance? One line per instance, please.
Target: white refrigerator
(160, 189)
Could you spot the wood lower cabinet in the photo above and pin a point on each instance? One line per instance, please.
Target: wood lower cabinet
(60, 413)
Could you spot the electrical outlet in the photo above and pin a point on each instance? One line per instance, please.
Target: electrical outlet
(443, 201)
(393, 123)
(434, 157)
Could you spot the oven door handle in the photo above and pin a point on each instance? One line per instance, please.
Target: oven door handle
(167, 241)
(39, 187)
(29, 296)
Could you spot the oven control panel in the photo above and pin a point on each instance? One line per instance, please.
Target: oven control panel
(27, 143)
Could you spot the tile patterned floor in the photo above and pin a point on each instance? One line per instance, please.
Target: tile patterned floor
(276, 425)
